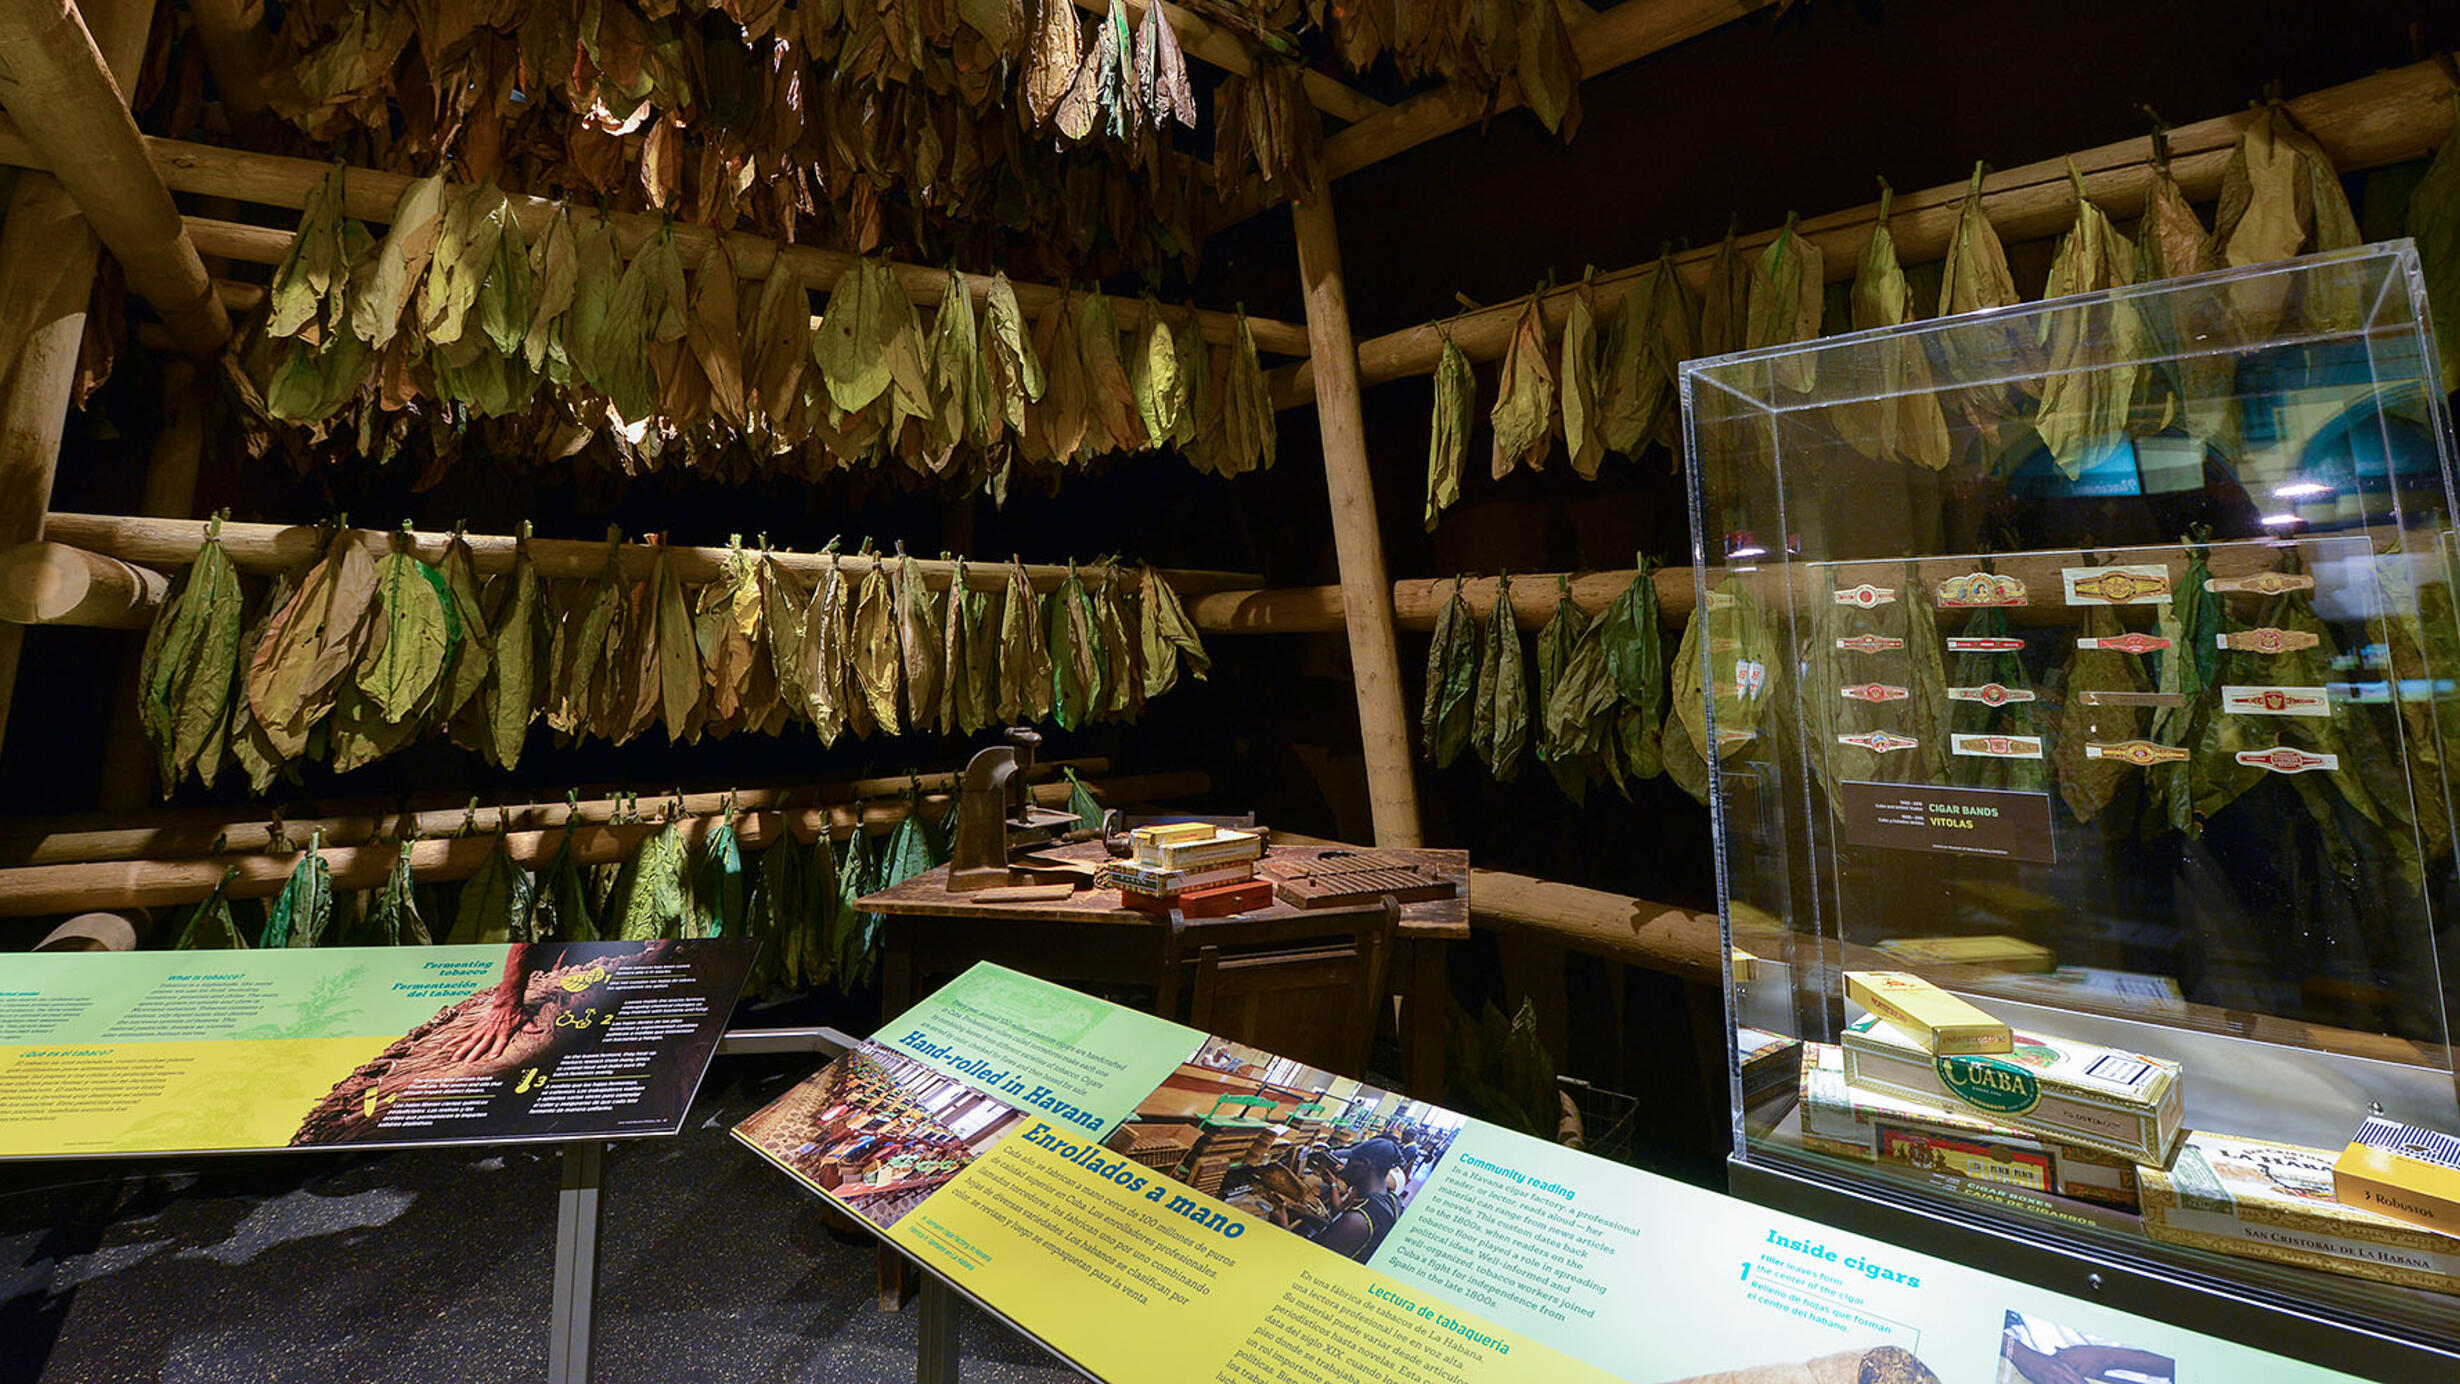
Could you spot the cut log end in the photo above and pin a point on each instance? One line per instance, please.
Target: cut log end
(54, 584)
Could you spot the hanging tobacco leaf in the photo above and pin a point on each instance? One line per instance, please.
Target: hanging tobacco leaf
(1549, 68)
(717, 884)
(309, 295)
(1448, 445)
(678, 656)
(297, 915)
(1055, 431)
(1014, 370)
(392, 918)
(311, 644)
(1974, 278)
(2092, 352)
(1248, 438)
(1523, 416)
(919, 637)
(1499, 725)
(825, 913)
(1787, 284)
(775, 915)
(652, 894)
(1026, 673)
(872, 648)
(777, 350)
(1725, 303)
(1559, 729)
(588, 643)
(473, 653)
(2280, 197)
(1050, 65)
(248, 746)
(1123, 679)
(824, 662)
(784, 606)
(966, 628)
(854, 943)
(2177, 385)
(1170, 639)
(380, 284)
(208, 926)
(2434, 223)
(1905, 420)
(1161, 395)
(190, 666)
(738, 684)
(415, 638)
(1583, 441)
(1110, 398)
(865, 311)
(1652, 333)
(496, 902)
(464, 253)
(560, 904)
(1451, 681)
(716, 341)
(960, 386)
(1629, 638)
(1161, 72)
(555, 281)
(1075, 652)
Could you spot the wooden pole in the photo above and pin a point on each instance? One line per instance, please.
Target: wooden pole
(54, 584)
(369, 195)
(1375, 660)
(233, 40)
(1203, 39)
(270, 548)
(2385, 118)
(47, 256)
(56, 86)
(45, 889)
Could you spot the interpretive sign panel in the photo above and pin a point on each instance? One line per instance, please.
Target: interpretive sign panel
(371, 1047)
(1160, 1205)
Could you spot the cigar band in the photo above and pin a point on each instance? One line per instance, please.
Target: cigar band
(2124, 643)
(1981, 589)
(1870, 644)
(1981, 644)
(2131, 585)
(2276, 701)
(2282, 759)
(2136, 752)
(2262, 583)
(1997, 746)
(1879, 741)
(1866, 596)
(2267, 640)
(2160, 699)
(1990, 694)
(1875, 692)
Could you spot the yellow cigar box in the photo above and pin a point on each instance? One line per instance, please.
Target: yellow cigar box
(1999, 953)
(1746, 967)
(1945, 1025)
(2402, 1173)
(1171, 833)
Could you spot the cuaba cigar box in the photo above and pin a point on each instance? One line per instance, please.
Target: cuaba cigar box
(1999, 953)
(1881, 1128)
(2263, 1200)
(1945, 1025)
(2402, 1173)
(1746, 967)
(2120, 1103)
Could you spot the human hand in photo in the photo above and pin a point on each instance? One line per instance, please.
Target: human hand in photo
(2041, 1368)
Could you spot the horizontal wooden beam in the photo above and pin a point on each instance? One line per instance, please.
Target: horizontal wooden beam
(1202, 38)
(275, 181)
(34, 891)
(2385, 118)
(45, 583)
(1641, 932)
(270, 548)
(67, 106)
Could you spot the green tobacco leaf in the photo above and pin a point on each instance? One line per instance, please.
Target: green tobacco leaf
(1653, 332)
(652, 894)
(392, 919)
(315, 269)
(464, 255)
(415, 640)
(678, 655)
(1499, 727)
(1123, 656)
(560, 903)
(1161, 394)
(717, 884)
(380, 285)
(1456, 405)
(852, 343)
(473, 658)
(1451, 681)
(2093, 350)
(1523, 416)
(495, 903)
(1725, 304)
(208, 926)
(1580, 387)
(1787, 283)
(1026, 674)
(190, 666)
(298, 914)
(1630, 641)
(511, 695)
(1905, 420)
(1169, 638)
(872, 649)
(2434, 223)
(1075, 653)
(1560, 729)
(1081, 801)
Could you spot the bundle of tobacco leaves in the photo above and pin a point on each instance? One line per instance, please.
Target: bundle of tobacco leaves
(1583, 441)
(209, 926)
(2433, 221)
(1974, 278)
(1905, 420)
(1451, 681)
(1653, 332)
(1725, 304)
(297, 915)
(2178, 386)
(1499, 724)
(1727, 644)
(1448, 445)
(184, 683)
(1560, 733)
(497, 903)
(2280, 197)
(2091, 351)
(1168, 636)
(1078, 662)
(1788, 282)
(1524, 412)
(717, 883)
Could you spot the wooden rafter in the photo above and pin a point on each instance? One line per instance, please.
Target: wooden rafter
(274, 181)
(232, 35)
(2385, 118)
(66, 105)
(1203, 39)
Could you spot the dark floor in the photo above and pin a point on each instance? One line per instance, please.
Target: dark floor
(329, 1269)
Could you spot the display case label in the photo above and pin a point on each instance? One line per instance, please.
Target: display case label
(1956, 821)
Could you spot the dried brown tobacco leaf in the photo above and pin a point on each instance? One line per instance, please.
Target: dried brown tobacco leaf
(777, 349)
(717, 341)
(554, 279)
(784, 603)
(1580, 388)
(1247, 417)
(1050, 67)
(738, 684)
(960, 385)
(1787, 283)
(1456, 405)
(514, 687)
(1974, 278)
(1523, 416)
(589, 636)
(1161, 72)
(380, 285)
(463, 255)
(1451, 681)
(2092, 351)
(1169, 638)
(1008, 353)
(1056, 431)
(2434, 223)
(1725, 304)
(1976, 275)
(1549, 68)
(313, 642)
(309, 295)
(919, 637)
(1112, 398)
(1025, 672)
(824, 662)
(1123, 652)
(678, 653)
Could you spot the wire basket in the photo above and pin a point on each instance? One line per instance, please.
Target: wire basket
(1608, 1119)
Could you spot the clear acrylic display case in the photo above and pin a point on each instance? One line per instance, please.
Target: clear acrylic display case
(2113, 636)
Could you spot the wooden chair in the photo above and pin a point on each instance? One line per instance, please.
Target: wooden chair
(1302, 988)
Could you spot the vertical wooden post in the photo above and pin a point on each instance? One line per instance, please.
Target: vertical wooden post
(47, 258)
(1366, 592)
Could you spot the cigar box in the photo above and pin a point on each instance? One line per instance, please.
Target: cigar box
(1199, 853)
(2120, 1103)
(1945, 1025)
(2402, 1173)
(1999, 953)
(1886, 1129)
(1169, 834)
(2262, 1200)
(1213, 901)
(1746, 967)
(1768, 1062)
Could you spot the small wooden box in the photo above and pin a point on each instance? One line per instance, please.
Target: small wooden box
(1218, 901)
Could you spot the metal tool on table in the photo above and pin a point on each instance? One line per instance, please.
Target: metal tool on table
(998, 819)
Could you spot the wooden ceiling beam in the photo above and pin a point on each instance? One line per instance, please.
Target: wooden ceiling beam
(1201, 38)
(232, 35)
(2384, 118)
(66, 105)
(275, 181)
